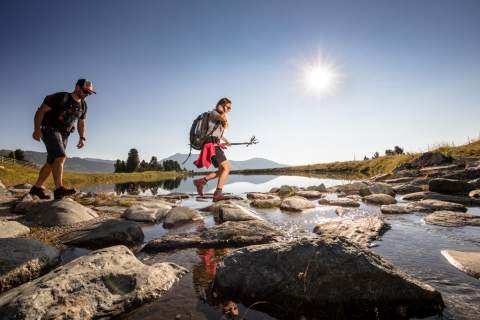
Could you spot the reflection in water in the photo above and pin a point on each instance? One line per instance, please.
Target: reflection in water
(136, 188)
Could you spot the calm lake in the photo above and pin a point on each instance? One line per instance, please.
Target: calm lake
(410, 244)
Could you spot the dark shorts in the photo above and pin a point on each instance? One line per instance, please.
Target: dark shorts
(56, 143)
(219, 157)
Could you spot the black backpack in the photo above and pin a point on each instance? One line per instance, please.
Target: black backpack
(199, 132)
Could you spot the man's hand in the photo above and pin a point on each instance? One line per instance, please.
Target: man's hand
(37, 135)
(80, 144)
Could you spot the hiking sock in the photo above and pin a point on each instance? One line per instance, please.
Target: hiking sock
(205, 180)
(218, 190)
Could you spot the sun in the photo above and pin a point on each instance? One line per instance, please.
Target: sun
(320, 77)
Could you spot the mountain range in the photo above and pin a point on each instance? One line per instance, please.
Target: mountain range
(99, 165)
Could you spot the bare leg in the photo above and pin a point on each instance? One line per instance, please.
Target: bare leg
(57, 171)
(223, 173)
(212, 175)
(43, 175)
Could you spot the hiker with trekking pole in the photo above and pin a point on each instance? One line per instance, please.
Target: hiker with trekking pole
(207, 135)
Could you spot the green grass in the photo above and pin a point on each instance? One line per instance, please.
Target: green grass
(15, 174)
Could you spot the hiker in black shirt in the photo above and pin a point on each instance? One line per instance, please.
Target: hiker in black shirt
(55, 119)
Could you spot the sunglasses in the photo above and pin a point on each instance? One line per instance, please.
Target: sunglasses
(86, 92)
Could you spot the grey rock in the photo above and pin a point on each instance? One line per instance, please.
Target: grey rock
(449, 186)
(427, 159)
(421, 181)
(26, 203)
(60, 213)
(261, 196)
(309, 194)
(380, 199)
(228, 234)
(340, 202)
(352, 188)
(286, 191)
(400, 180)
(466, 261)
(452, 219)
(442, 197)
(430, 205)
(320, 188)
(407, 188)
(102, 285)
(361, 231)
(180, 215)
(143, 214)
(296, 203)
(318, 276)
(380, 187)
(11, 229)
(274, 190)
(401, 208)
(475, 194)
(266, 204)
(465, 174)
(235, 212)
(104, 234)
(215, 207)
(22, 260)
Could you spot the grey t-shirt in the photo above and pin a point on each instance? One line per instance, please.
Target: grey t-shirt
(218, 132)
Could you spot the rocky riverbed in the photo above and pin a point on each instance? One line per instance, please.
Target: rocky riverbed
(287, 252)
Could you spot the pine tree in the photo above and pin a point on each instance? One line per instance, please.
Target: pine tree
(19, 155)
(133, 160)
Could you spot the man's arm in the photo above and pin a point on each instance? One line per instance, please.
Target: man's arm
(37, 132)
(81, 133)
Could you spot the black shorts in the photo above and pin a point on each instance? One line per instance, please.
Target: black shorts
(219, 157)
(56, 143)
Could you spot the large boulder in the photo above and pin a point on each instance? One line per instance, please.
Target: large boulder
(180, 215)
(427, 159)
(407, 188)
(296, 203)
(11, 229)
(104, 234)
(286, 191)
(322, 276)
(378, 188)
(379, 199)
(353, 188)
(235, 212)
(266, 204)
(466, 261)
(361, 231)
(22, 260)
(228, 234)
(340, 202)
(60, 213)
(424, 195)
(144, 214)
(436, 205)
(449, 186)
(452, 219)
(100, 285)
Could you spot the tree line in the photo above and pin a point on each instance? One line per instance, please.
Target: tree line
(133, 164)
(388, 152)
(18, 154)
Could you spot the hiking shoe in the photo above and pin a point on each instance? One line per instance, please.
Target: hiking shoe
(199, 184)
(62, 192)
(39, 192)
(218, 196)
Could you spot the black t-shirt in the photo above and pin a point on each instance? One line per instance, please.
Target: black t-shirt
(65, 111)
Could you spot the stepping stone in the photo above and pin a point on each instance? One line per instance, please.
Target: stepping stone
(180, 215)
(60, 213)
(380, 199)
(12, 229)
(452, 219)
(401, 208)
(296, 203)
(340, 202)
(468, 262)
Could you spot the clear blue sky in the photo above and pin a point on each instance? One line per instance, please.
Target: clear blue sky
(410, 73)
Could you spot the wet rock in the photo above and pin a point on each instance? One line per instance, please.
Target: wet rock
(400, 180)
(435, 205)
(179, 215)
(296, 203)
(475, 194)
(22, 260)
(286, 191)
(407, 188)
(266, 204)
(104, 234)
(261, 196)
(466, 261)
(449, 186)
(102, 284)
(319, 276)
(361, 231)
(309, 194)
(442, 197)
(401, 208)
(353, 188)
(144, 214)
(452, 219)
(379, 199)
(235, 212)
(320, 188)
(11, 229)
(60, 213)
(228, 234)
(340, 202)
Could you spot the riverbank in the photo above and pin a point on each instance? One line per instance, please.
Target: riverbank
(16, 174)
(380, 165)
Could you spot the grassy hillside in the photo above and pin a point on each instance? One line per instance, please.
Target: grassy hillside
(373, 166)
(14, 174)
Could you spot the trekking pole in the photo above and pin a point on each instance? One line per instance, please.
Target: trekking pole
(253, 140)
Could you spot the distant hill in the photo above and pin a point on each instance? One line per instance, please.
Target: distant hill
(72, 164)
(254, 163)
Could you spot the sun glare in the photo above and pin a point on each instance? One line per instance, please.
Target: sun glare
(321, 77)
